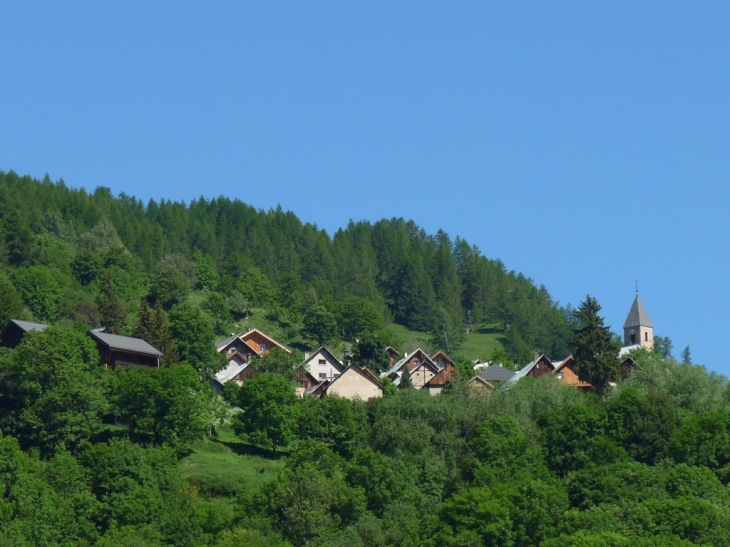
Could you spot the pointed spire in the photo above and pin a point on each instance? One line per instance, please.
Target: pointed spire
(637, 315)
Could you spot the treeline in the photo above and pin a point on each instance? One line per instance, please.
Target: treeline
(58, 245)
(91, 457)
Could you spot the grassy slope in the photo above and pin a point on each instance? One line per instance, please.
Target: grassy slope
(480, 344)
(229, 458)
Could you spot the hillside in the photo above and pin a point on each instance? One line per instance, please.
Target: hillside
(70, 255)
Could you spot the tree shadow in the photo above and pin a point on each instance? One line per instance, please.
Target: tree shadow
(245, 449)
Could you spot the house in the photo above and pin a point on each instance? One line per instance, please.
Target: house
(355, 383)
(536, 368)
(249, 343)
(236, 370)
(565, 372)
(421, 374)
(480, 384)
(437, 383)
(393, 355)
(412, 360)
(495, 374)
(323, 365)
(116, 351)
(305, 382)
(14, 331)
(441, 359)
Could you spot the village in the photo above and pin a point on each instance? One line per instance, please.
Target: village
(322, 373)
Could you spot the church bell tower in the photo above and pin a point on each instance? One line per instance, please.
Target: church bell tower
(638, 328)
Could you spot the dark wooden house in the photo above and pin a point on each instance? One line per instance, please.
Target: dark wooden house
(14, 331)
(116, 351)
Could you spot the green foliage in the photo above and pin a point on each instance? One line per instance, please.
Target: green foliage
(356, 316)
(11, 304)
(53, 390)
(193, 337)
(268, 417)
(369, 351)
(319, 325)
(110, 307)
(168, 286)
(596, 352)
(168, 406)
(40, 289)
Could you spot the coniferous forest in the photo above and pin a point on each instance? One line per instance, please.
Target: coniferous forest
(155, 457)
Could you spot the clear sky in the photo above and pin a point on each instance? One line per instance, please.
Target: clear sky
(584, 144)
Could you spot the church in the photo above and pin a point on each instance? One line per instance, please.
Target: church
(638, 330)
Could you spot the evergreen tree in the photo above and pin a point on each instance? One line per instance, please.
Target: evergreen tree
(143, 328)
(161, 336)
(686, 356)
(111, 308)
(405, 379)
(596, 352)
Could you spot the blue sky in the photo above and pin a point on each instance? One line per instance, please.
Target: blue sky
(584, 144)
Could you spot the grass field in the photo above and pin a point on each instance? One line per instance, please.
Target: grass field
(228, 458)
(479, 344)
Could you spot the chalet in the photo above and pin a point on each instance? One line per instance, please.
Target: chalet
(539, 366)
(393, 355)
(355, 383)
(116, 351)
(421, 374)
(412, 360)
(14, 331)
(565, 372)
(323, 365)
(442, 360)
(236, 370)
(249, 343)
(480, 384)
(436, 384)
(495, 374)
(305, 381)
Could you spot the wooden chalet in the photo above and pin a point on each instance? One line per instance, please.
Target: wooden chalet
(565, 372)
(251, 343)
(441, 359)
(393, 355)
(436, 384)
(12, 334)
(116, 351)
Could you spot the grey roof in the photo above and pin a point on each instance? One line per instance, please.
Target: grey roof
(408, 356)
(223, 343)
(232, 370)
(496, 372)
(637, 315)
(124, 343)
(28, 325)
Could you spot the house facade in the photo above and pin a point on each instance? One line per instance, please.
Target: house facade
(323, 365)
(356, 383)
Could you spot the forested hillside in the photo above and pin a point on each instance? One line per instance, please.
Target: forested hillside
(153, 457)
(60, 246)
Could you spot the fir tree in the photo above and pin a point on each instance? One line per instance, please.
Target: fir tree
(596, 352)
(686, 356)
(405, 379)
(111, 308)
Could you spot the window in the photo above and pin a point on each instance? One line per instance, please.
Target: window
(262, 348)
(322, 362)
(323, 375)
(646, 336)
(560, 375)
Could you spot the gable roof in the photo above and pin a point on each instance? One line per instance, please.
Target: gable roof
(27, 326)
(444, 355)
(124, 343)
(560, 364)
(229, 372)
(443, 377)
(407, 358)
(496, 373)
(363, 371)
(480, 380)
(323, 349)
(637, 315)
(244, 335)
(524, 371)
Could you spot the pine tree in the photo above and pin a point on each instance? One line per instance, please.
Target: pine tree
(686, 356)
(405, 379)
(144, 322)
(596, 353)
(161, 336)
(111, 308)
